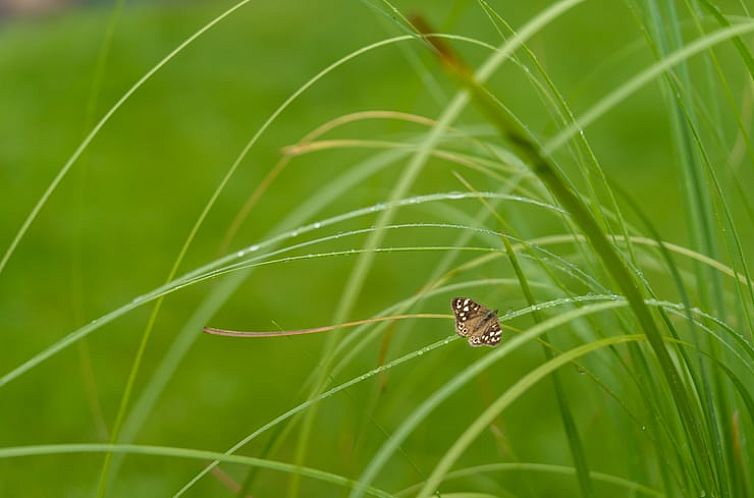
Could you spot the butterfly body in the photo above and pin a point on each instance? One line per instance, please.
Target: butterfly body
(476, 322)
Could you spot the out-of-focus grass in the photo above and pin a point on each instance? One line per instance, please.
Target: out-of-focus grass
(113, 229)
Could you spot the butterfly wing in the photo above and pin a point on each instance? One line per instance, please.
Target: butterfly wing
(488, 334)
(467, 314)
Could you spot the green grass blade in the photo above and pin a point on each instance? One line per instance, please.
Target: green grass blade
(438, 396)
(572, 433)
(612, 261)
(100, 124)
(630, 486)
(641, 79)
(185, 453)
(510, 395)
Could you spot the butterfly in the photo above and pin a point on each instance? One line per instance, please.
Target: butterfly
(476, 322)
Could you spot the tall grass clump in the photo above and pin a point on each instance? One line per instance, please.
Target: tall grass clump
(320, 191)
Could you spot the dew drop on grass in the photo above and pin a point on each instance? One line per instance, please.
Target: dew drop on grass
(317, 225)
(253, 248)
(455, 195)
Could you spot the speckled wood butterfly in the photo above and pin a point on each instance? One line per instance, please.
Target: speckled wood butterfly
(476, 322)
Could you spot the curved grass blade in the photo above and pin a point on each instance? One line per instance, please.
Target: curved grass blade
(508, 397)
(630, 486)
(363, 264)
(649, 74)
(569, 424)
(186, 453)
(611, 259)
(196, 276)
(438, 396)
(101, 123)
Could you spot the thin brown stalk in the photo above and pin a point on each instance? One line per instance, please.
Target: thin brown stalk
(316, 330)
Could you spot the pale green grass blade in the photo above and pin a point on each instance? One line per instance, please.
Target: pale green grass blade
(185, 453)
(158, 292)
(450, 113)
(569, 425)
(220, 294)
(311, 401)
(411, 356)
(602, 302)
(612, 261)
(543, 468)
(88, 139)
(693, 158)
(512, 394)
(586, 158)
(641, 79)
(201, 273)
(125, 398)
(362, 266)
(420, 413)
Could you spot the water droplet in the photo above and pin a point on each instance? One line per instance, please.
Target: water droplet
(317, 225)
(239, 253)
(253, 248)
(137, 300)
(456, 195)
(643, 427)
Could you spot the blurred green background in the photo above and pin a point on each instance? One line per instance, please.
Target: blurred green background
(114, 227)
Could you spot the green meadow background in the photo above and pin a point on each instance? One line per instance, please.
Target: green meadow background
(669, 159)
